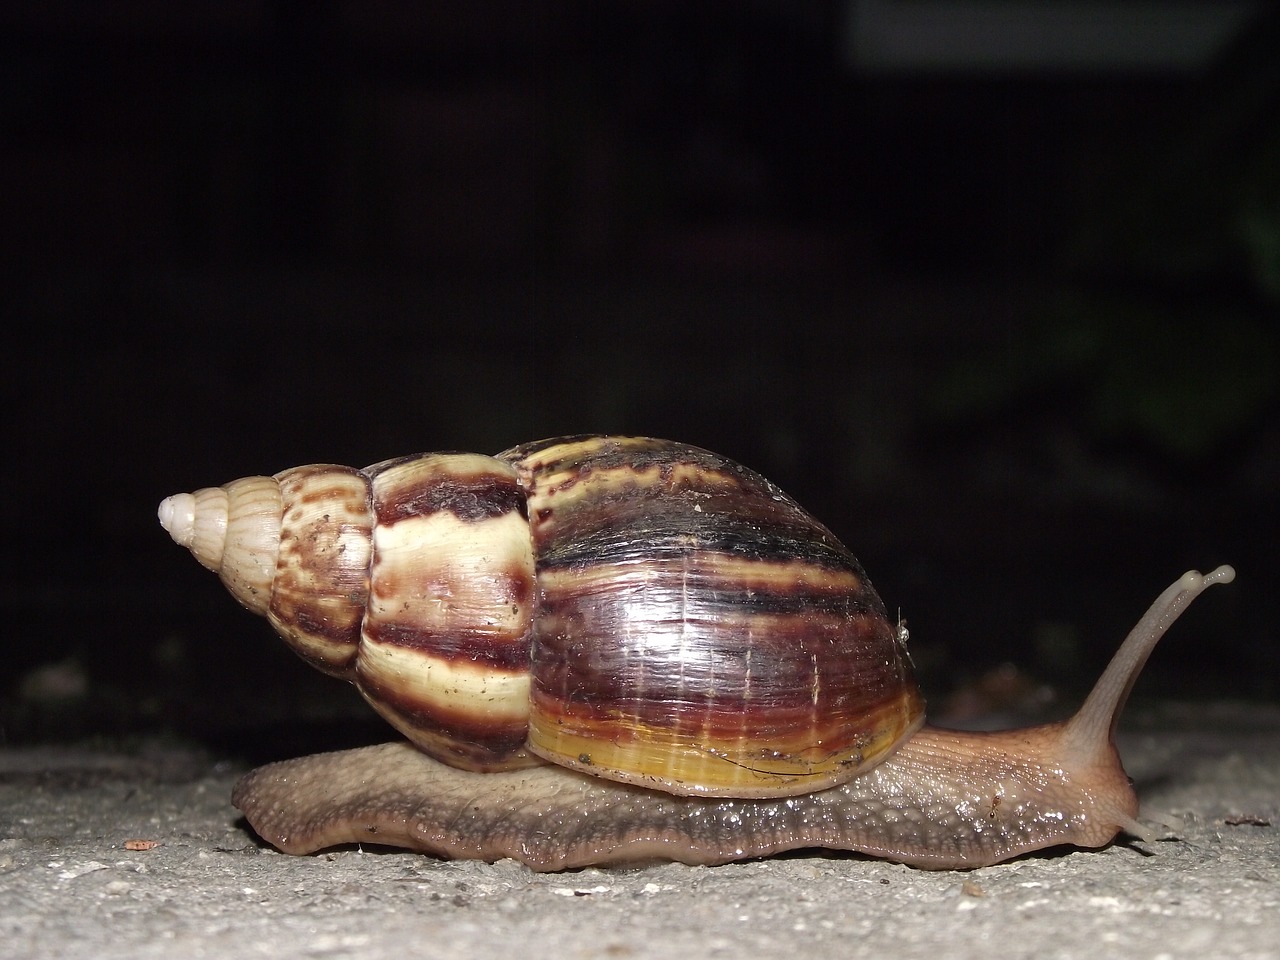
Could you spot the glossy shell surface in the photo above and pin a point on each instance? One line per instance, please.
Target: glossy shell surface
(697, 630)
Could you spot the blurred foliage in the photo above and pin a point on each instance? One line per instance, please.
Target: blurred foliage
(1165, 328)
(1184, 382)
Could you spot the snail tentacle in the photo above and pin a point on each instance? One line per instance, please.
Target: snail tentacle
(1094, 725)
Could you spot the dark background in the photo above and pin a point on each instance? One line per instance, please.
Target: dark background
(1010, 331)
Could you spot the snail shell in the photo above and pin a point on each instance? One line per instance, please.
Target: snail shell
(637, 609)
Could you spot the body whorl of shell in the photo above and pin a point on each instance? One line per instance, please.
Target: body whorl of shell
(697, 630)
(638, 609)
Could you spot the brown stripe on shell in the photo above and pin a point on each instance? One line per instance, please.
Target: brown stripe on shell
(786, 728)
(446, 637)
(607, 496)
(714, 584)
(468, 715)
(322, 570)
(509, 651)
(471, 486)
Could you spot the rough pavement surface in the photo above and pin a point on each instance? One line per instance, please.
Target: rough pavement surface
(71, 886)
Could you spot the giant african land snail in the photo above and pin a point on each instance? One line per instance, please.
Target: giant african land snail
(705, 666)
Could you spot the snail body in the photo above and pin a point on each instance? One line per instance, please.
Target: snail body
(605, 649)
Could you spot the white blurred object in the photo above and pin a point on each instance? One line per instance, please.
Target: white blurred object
(991, 36)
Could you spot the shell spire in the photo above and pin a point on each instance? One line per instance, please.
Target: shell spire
(412, 578)
(233, 530)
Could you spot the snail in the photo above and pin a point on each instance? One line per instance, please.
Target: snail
(619, 649)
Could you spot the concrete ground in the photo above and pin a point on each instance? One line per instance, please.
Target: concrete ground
(76, 883)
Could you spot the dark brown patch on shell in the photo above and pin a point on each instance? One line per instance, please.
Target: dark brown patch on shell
(500, 651)
(462, 739)
(470, 497)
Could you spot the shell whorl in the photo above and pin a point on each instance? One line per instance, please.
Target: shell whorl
(697, 630)
(233, 530)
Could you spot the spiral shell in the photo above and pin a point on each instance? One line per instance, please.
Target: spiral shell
(642, 610)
